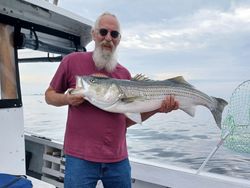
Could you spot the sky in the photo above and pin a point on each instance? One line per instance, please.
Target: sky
(207, 42)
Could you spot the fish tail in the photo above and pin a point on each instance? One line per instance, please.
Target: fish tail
(218, 110)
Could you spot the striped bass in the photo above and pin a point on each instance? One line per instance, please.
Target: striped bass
(132, 97)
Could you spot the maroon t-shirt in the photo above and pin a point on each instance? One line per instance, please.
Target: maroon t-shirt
(91, 133)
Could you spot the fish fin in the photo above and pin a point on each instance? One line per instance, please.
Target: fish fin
(180, 80)
(189, 110)
(217, 111)
(136, 117)
(140, 77)
(128, 99)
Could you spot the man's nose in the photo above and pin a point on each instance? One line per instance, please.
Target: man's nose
(108, 37)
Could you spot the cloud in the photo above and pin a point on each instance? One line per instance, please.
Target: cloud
(206, 28)
(200, 40)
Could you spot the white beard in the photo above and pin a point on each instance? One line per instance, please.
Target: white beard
(105, 59)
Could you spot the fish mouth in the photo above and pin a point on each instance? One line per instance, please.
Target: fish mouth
(81, 84)
(84, 85)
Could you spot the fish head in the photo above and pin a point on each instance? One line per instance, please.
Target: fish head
(100, 91)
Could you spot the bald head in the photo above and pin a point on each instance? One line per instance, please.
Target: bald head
(106, 16)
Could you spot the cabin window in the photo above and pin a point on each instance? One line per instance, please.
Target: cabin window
(9, 81)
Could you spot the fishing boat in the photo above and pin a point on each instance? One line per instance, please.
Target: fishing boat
(43, 26)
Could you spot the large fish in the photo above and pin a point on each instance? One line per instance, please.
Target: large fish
(138, 95)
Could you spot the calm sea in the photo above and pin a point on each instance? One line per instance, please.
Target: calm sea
(174, 138)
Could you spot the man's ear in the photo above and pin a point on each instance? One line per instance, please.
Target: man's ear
(119, 40)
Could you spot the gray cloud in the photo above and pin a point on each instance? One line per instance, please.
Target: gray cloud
(201, 40)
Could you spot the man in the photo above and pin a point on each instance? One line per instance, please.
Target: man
(95, 140)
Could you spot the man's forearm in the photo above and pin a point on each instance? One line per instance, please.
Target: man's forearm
(56, 99)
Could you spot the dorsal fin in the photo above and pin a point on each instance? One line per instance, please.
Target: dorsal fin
(180, 80)
(140, 77)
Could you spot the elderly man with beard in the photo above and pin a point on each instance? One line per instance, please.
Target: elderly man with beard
(95, 140)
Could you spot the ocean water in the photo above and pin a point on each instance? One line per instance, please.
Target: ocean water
(173, 138)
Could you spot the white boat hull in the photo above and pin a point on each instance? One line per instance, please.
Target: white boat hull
(48, 160)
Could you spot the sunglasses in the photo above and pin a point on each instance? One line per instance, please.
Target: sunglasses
(114, 34)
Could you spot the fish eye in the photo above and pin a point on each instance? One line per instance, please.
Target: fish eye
(92, 80)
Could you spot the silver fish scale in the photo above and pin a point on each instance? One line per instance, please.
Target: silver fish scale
(157, 90)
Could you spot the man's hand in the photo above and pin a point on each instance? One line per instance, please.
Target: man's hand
(74, 100)
(169, 104)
